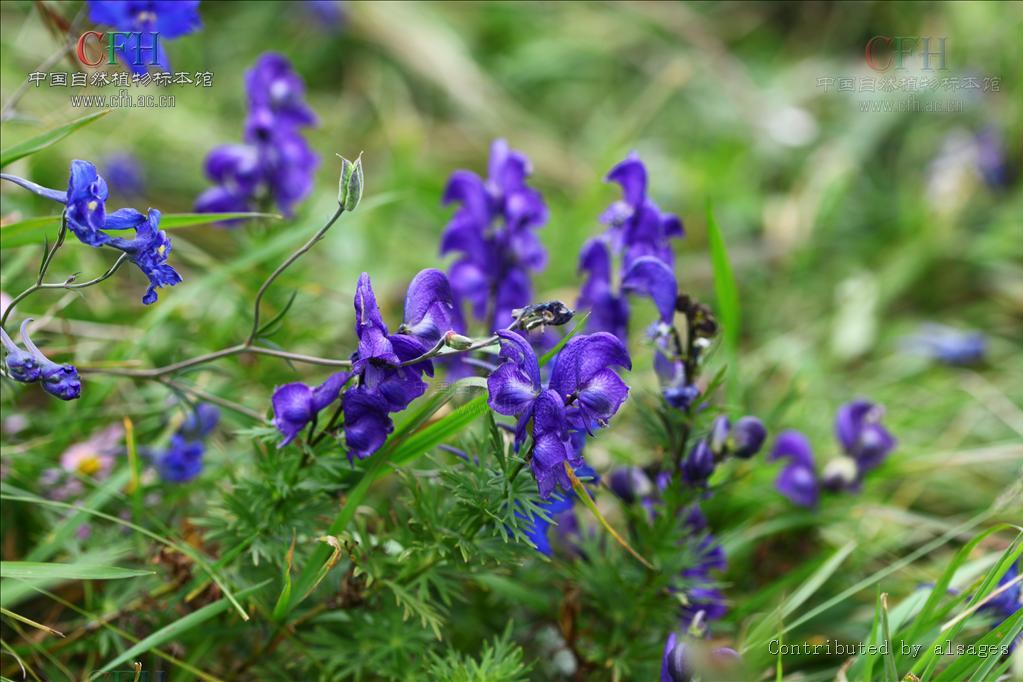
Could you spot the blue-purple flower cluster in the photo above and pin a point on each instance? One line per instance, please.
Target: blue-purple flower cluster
(87, 218)
(181, 460)
(141, 21)
(639, 235)
(583, 393)
(383, 380)
(494, 233)
(275, 162)
(29, 366)
(865, 444)
(743, 440)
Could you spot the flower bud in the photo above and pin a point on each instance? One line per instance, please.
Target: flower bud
(453, 339)
(676, 665)
(630, 484)
(349, 189)
(719, 436)
(840, 473)
(61, 381)
(699, 465)
(748, 437)
(21, 365)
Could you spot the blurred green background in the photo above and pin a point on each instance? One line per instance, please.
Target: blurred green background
(847, 228)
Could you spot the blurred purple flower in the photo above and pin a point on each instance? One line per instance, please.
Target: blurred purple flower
(180, 461)
(169, 18)
(798, 479)
(494, 231)
(275, 162)
(861, 435)
(948, 344)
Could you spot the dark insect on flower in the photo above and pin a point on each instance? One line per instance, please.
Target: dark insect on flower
(552, 313)
(61, 381)
(699, 317)
(141, 18)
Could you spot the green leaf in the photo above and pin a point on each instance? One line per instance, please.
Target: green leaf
(47, 139)
(727, 293)
(33, 230)
(891, 673)
(175, 630)
(29, 570)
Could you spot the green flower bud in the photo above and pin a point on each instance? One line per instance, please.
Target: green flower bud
(349, 187)
(453, 339)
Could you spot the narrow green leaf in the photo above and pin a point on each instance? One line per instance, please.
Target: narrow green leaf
(175, 629)
(727, 293)
(49, 138)
(891, 673)
(34, 230)
(584, 496)
(28, 570)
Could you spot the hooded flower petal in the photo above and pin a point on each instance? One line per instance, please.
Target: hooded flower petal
(367, 423)
(794, 446)
(630, 174)
(293, 409)
(430, 307)
(583, 357)
(651, 277)
(798, 483)
(511, 390)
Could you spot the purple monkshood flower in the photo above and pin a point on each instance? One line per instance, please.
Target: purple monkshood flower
(169, 18)
(494, 233)
(675, 385)
(641, 234)
(275, 162)
(382, 385)
(295, 404)
(274, 86)
(31, 366)
(180, 461)
(636, 225)
(948, 345)
(583, 393)
(1011, 600)
(743, 440)
(798, 479)
(861, 435)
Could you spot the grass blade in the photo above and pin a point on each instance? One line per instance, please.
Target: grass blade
(29, 570)
(727, 293)
(175, 629)
(47, 139)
